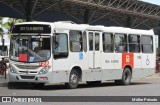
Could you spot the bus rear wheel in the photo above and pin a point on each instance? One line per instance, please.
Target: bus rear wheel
(126, 77)
(73, 80)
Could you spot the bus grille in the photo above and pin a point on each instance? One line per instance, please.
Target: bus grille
(27, 67)
(33, 72)
(27, 77)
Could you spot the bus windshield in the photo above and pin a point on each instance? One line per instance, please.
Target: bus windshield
(26, 48)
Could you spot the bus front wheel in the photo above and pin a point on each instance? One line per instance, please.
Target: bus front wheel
(126, 77)
(73, 80)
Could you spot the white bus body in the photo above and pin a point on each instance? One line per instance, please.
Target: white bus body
(98, 54)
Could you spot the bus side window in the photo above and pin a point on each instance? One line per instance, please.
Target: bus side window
(147, 44)
(120, 43)
(61, 49)
(134, 43)
(108, 43)
(84, 41)
(97, 41)
(75, 38)
(90, 39)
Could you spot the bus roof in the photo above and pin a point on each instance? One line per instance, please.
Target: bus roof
(112, 29)
(127, 30)
(35, 22)
(73, 26)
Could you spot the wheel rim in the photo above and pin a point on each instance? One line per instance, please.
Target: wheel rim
(73, 79)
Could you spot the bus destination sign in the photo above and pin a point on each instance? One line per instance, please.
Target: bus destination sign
(32, 28)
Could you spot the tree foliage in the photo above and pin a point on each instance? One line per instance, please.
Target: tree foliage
(8, 25)
(1, 28)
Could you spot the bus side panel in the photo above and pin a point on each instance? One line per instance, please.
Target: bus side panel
(136, 70)
(62, 67)
(148, 65)
(148, 62)
(118, 65)
(108, 65)
(141, 73)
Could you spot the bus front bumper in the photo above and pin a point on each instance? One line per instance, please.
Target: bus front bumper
(28, 78)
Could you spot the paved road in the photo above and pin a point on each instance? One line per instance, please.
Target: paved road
(143, 87)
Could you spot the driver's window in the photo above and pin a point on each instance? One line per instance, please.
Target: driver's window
(61, 45)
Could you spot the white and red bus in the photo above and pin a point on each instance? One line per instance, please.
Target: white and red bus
(64, 52)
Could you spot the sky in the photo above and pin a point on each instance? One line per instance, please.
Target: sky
(157, 2)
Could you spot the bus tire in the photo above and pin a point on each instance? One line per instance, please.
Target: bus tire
(73, 80)
(126, 77)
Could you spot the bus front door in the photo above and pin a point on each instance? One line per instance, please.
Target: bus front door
(94, 55)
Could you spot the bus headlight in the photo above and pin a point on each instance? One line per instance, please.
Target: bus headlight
(44, 70)
(13, 70)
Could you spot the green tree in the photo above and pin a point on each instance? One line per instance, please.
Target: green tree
(1, 26)
(10, 23)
